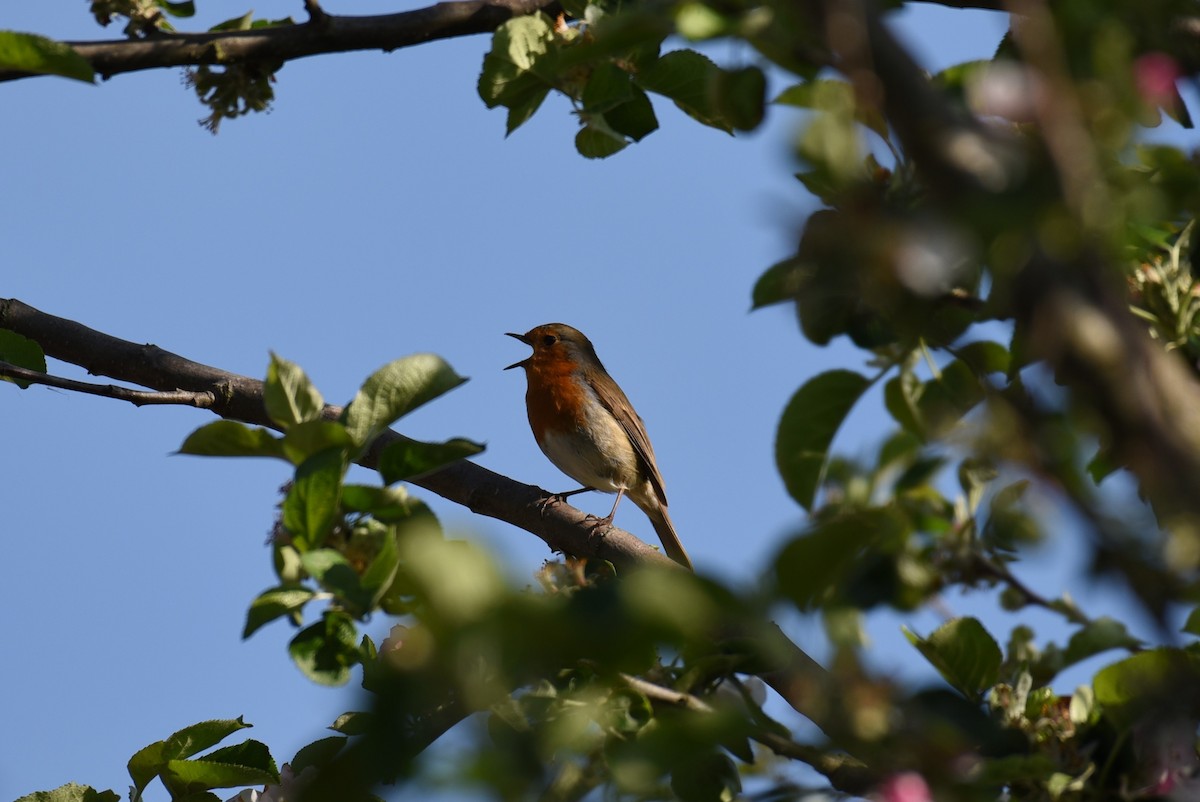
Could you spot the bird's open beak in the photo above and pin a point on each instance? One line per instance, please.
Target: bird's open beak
(523, 339)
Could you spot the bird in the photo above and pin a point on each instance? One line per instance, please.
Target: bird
(582, 421)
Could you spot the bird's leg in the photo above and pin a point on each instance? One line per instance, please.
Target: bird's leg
(559, 498)
(608, 519)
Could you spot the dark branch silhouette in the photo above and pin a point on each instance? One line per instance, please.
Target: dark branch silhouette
(323, 33)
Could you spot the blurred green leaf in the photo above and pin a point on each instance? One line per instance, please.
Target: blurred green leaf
(1192, 625)
(241, 23)
(806, 430)
(227, 438)
(707, 777)
(185, 8)
(813, 567)
(327, 650)
(1098, 636)
(394, 390)
(27, 52)
(22, 352)
(833, 97)
(290, 398)
(1149, 683)
(901, 395)
(274, 603)
(963, 653)
(311, 505)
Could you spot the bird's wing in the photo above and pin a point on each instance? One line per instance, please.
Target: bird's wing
(614, 400)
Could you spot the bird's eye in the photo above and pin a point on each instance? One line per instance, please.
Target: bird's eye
(549, 340)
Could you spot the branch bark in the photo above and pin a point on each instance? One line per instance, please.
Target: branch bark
(323, 33)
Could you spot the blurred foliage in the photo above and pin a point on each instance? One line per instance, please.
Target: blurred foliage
(652, 684)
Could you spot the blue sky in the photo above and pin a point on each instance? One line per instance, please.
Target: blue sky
(377, 211)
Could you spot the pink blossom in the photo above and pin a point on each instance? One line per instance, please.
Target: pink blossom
(907, 786)
(1155, 75)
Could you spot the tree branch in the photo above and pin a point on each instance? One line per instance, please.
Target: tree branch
(798, 678)
(323, 33)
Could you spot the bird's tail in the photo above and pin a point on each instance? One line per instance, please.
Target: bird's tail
(666, 533)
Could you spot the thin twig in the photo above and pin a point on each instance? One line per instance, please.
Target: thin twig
(188, 398)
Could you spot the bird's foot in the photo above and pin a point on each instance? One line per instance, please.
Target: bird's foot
(558, 498)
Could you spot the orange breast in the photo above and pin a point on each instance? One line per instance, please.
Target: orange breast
(555, 398)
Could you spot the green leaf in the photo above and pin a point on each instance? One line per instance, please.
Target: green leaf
(525, 104)
(698, 21)
(248, 763)
(607, 87)
(408, 459)
(311, 437)
(186, 8)
(1192, 625)
(1149, 680)
(834, 97)
(241, 23)
(597, 140)
(27, 52)
(740, 96)
(1098, 636)
(148, 762)
(807, 428)
(318, 753)
(900, 397)
(963, 653)
(288, 395)
(695, 83)
(782, 282)
(634, 118)
(509, 77)
(22, 352)
(380, 573)
(274, 603)
(311, 505)
(383, 503)
(327, 650)
(72, 793)
(227, 438)
(353, 723)
(396, 389)
(814, 566)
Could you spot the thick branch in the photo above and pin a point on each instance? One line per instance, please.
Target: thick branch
(561, 526)
(324, 33)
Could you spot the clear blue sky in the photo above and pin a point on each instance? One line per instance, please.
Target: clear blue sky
(378, 210)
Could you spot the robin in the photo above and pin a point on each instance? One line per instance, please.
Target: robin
(589, 430)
